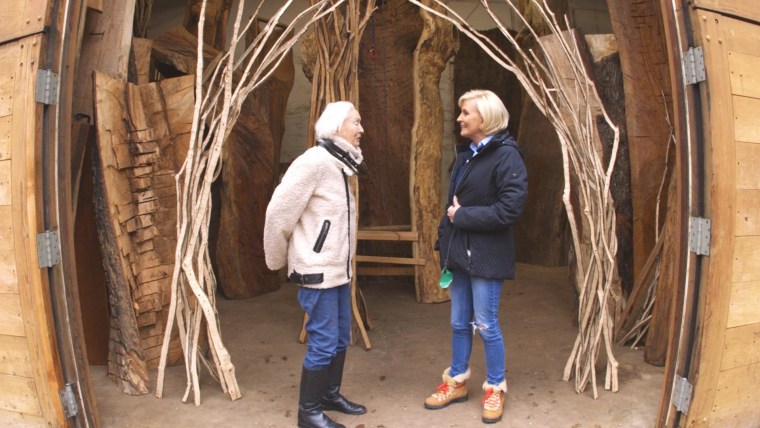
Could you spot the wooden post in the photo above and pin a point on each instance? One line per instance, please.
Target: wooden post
(434, 48)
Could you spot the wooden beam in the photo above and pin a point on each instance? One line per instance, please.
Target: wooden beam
(391, 260)
(385, 271)
(387, 235)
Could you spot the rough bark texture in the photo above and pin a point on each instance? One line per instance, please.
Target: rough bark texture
(126, 363)
(657, 335)
(435, 47)
(386, 96)
(643, 58)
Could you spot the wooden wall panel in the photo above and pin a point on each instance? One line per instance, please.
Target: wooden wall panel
(747, 166)
(5, 182)
(745, 80)
(14, 356)
(14, 419)
(744, 8)
(748, 211)
(744, 308)
(742, 347)
(745, 113)
(746, 256)
(727, 373)
(18, 394)
(36, 395)
(736, 398)
(19, 18)
(8, 277)
(11, 321)
(6, 124)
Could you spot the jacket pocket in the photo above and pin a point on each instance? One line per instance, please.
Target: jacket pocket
(322, 236)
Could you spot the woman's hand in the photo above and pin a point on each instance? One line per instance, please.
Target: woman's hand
(452, 209)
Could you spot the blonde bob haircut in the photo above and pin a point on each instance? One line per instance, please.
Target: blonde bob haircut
(329, 123)
(495, 115)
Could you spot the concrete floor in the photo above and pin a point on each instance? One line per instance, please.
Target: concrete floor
(410, 348)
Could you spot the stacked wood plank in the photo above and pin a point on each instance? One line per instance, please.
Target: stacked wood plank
(139, 128)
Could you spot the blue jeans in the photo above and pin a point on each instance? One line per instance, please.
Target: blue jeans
(329, 323)
(475, 306)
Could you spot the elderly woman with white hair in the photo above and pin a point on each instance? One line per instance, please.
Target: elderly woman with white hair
(311, 226)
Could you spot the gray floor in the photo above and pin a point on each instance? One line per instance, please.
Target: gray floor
(410, 350)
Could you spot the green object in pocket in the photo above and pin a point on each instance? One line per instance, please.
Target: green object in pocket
(446, 278)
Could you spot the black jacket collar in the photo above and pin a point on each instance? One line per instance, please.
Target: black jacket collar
(341, 155)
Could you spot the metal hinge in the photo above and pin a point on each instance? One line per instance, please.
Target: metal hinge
(48, 249)
(681, 397)
(699, 235)
(693, 63)
(69, 401)
(47, 87)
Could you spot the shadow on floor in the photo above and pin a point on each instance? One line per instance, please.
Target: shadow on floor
(410, 349)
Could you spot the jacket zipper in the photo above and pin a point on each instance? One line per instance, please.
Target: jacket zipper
(348, 208)
(467, 167)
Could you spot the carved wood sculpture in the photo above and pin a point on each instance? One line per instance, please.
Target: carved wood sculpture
(136, 211)
(219, 99)
(556, 78)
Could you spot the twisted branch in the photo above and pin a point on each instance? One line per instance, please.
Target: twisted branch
(220, 91)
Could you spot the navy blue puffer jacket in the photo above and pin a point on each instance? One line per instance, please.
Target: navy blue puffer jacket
(491, 191)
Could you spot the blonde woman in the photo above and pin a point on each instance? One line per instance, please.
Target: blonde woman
(487, 193)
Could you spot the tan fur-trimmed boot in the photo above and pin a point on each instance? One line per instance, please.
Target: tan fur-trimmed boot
(452, 390)
(493, 401)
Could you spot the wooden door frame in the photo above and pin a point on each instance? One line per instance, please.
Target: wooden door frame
(689, 142)
(60, 53)
(64, 41)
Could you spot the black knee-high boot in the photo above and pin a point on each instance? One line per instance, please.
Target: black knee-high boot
(333, 400)
(310, 415)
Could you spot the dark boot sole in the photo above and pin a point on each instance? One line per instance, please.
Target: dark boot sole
(491, 421)
(458, 400)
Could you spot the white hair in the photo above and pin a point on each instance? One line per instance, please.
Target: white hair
(332, 118)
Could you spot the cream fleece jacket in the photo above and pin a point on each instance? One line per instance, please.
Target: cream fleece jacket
(313, 191)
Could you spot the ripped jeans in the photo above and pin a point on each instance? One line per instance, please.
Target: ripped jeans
(479, 297)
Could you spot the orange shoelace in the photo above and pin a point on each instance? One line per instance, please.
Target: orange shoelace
(442, 391)
(491, 399)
